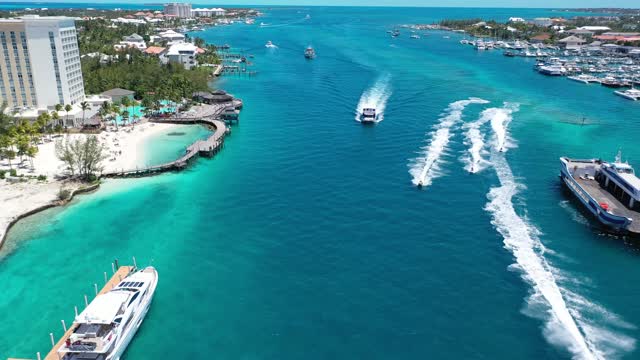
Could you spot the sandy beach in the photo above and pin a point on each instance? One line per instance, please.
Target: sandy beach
(124, 148)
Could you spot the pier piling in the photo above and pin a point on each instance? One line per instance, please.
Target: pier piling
(95, 287)
(53, 342)
(75, 310)
(64, 325)
(86, 301)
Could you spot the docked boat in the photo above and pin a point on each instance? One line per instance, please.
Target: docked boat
(309, 53)
(270, 44)
(509, 53)
(631, 94)
(609, 191)
(612, 82)
(552, 70)
(395, 33)
(584, 78)
(368, 116)
(107, 325)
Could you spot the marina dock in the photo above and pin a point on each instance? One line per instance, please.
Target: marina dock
(117, 276)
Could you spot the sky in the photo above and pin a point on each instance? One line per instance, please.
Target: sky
(432, 3)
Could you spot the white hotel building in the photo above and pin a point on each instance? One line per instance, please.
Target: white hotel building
(39, 62)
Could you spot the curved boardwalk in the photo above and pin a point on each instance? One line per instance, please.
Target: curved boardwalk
(208, 147)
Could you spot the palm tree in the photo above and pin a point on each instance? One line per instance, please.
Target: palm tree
(126, 102)
(67, 109)
(115, 109)
(84, 106)
(55, 117)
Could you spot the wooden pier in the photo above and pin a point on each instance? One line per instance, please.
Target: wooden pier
(206, 148)
(118, 275)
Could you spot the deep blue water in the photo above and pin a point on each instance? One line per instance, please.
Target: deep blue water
(306, 236)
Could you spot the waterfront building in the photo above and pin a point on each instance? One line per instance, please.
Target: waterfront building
(581, 32)
(516, 20)
(544, 22)
(204, 12)
(39, 62)
(155, 50)
(180, 10)
(571, 42)
(595, 28)
(183, 53)
(169, 36)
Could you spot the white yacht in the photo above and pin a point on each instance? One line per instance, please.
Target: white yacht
(631, 94)
(105, 328)
(368, 116)
(270, 44)
(415, 36)
(584, 78)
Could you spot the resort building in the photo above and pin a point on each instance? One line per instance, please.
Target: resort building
(118, 94)
(168, 36)
(183, 53)
(180, 10)
(131, 41)
(595, 28)
(571, 42)
(516, 20)
(204, 12)
(581, 32)
(544, 22)
(39, 62)
(155, 50)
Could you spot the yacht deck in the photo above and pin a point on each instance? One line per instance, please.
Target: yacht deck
(120, 274)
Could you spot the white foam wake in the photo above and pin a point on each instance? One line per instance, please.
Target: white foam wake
(474, 137)
(499, 122)
(425, 167)
(376, 97)
(567, 316)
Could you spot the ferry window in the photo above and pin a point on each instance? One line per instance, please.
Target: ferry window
(117, 320)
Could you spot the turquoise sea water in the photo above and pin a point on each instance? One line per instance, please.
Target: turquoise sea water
(306, 237)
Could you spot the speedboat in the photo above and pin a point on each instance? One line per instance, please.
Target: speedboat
(631, 94)
(309, 53)
(415, 36)
(270, 44)
(107, 325)
(368, 116)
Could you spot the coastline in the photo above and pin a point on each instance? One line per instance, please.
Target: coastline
(42, 197)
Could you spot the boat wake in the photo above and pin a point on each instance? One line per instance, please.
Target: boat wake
(474, 138)
(570, 320)
(376, 97)
(425, 167)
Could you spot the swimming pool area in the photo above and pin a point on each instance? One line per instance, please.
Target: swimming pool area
(137, 111)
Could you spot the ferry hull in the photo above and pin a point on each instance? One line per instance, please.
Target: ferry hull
(614, 222)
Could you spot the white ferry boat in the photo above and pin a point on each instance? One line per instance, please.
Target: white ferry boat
(609, 191)
(105, 328)
(631, 94)
(368, 116)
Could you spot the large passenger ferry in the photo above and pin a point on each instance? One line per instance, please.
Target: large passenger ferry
(609, 191)
(105, 328)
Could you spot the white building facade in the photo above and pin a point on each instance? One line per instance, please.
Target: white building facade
(39, 62)
(181, 10)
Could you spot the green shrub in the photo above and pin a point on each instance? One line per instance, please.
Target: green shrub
(42, 177)
(2, 174)
(13, 172)
(64, 194)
